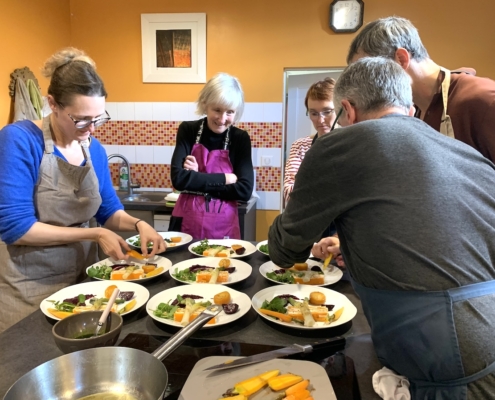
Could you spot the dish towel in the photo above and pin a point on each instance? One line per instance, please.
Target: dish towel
(23, 108)
(391, 386)
(35, 96)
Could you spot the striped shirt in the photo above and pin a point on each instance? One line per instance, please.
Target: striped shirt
(296, 155)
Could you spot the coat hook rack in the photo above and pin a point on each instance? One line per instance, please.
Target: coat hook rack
(23, 73)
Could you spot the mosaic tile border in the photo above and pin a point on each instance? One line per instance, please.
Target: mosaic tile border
(163, 133)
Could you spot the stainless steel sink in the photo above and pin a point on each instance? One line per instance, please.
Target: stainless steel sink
(142, 197)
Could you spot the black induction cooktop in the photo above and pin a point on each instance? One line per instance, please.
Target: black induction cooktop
(339, 367)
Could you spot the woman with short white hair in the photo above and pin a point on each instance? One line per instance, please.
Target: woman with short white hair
(212, 165)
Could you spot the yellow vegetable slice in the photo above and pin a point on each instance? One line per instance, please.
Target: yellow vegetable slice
(156, 271)
(129, 306)
(59, 314)
(338, 313)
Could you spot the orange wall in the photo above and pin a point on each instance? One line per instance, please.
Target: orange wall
(31, 30)
(256, 39)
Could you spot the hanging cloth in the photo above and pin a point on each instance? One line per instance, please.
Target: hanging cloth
(35, 97)
(23, 108)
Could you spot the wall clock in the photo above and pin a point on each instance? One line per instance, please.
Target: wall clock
(346, 16)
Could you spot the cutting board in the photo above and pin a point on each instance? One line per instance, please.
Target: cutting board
(210, 385)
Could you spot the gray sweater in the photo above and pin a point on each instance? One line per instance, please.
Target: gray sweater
(414, 210)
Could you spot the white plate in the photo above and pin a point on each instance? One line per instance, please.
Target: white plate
(158, 260)
(141, 294)
(166, 235)
(211, 385)
(250, 248)
(242, 270)
(261, 244)
(302, 291)
(330, 277)
(207, 291)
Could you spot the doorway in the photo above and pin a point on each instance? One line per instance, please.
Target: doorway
(295, 123)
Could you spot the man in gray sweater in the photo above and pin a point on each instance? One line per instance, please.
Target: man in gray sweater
(415, 214)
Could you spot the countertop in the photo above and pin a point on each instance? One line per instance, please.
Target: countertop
(157, 202)
(29, 343)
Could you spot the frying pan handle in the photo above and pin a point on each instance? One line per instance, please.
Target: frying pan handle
(176, 340)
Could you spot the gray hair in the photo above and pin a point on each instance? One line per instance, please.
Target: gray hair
(71, 73)
(384, 36)
(373, 84)
(222, 90)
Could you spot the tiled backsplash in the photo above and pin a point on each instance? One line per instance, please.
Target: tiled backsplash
(145, 134)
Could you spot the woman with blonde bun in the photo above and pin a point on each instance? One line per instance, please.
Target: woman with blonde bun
(54, 178)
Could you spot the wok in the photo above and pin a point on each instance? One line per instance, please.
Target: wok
(105, 370)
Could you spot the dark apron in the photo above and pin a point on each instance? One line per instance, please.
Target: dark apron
(414, 334)
(203, 216)
(64, 195)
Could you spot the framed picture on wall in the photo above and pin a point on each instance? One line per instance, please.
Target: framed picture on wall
(174, 47)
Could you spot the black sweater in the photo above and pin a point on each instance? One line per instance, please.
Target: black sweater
(214, 184)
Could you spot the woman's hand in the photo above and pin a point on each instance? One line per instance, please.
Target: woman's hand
(328, 245)
(230, 179)
(190, 163)
(112, 244)
(148, 234)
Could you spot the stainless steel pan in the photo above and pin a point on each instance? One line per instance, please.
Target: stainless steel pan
(105, 370)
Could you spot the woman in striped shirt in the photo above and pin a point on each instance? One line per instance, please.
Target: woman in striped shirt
(320, 109)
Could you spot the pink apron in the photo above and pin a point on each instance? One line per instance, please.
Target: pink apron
(204, 216)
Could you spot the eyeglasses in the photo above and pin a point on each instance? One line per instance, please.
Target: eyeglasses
(337, 119)
(81, 124)
(317, 115)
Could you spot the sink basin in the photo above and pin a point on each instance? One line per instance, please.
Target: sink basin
(142, 197)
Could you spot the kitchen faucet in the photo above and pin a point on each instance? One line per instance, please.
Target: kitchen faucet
(131, 196)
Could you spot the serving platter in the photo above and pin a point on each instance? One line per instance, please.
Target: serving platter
(158, 260)
(207, 292)
(185, 239)
(303, 291)
(242, 269)
(258, 247)
(331, 274)
(250, 248)
(208, 385)
(97, 288)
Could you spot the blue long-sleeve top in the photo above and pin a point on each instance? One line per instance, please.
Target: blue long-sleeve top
(21, 152)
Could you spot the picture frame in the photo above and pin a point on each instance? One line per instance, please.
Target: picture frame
(174, 47)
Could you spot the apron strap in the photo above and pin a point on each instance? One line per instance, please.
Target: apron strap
(200, 132)
(446, 127)
(47, 135)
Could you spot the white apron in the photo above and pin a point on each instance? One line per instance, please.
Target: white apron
(64, 195)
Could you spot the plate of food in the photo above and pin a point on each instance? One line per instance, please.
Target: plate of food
(136, 269)
(310, 272)
(309, 376)
(223, 271)
(180, 305)
(232, 248)
(174, 240)
(303, 306)
(262, 247)
(91, 296)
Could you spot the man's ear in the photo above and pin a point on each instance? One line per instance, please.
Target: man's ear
(350, 112)
(403, 58)
(412, 111)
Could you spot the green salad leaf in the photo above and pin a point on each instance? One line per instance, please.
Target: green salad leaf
(184, 275)
(286, 277)
(276, 304)
(264, 248)
(100, 271)
(165, 310)
(203, 245)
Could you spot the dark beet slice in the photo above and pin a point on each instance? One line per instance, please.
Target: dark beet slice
(185, 296)
(287, 296)
(126, 295)
(197, 268)
(120, 266)
(315, 268)
(230, 270)
(231, 308)
(280, 271)
(75, 300)
(240, 250)
(329, 306)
